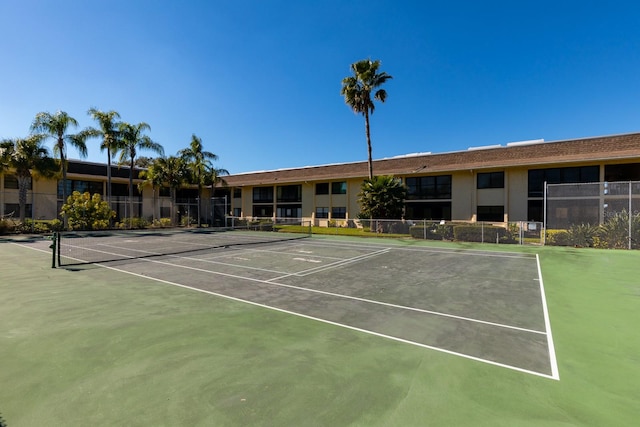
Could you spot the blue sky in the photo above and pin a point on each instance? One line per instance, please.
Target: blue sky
(259, 81)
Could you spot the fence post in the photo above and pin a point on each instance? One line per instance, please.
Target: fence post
(521, 227)
(630, 207)
(544, 215)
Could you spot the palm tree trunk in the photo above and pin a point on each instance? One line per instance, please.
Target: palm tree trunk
(63, 166)
(199, 198)
(23, 182)
(131, 193)
(109, 177)
(109, 183)
(368, 132)
(173, 206)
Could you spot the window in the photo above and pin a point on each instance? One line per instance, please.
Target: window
(263, 195)
(491, 213)
(535, 210)
(490, 180)
(322, 212)
(322, 188)
(237, 193)
(339, 187)
(164, 192)
(92, 187)
(537, 177)
(122, 190)
(14, 208)
(428, 210)
(624, 172)
(11, 182)
(263, 211)
(429, 187)
(289, 211)
(289, 193)
(339, 213)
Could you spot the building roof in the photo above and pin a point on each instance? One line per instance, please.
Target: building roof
(528, 153)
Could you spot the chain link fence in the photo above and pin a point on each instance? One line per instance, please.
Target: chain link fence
(601, 214)
(517, 232)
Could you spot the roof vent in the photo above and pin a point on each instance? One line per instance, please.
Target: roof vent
(411, 155)
(484, 147)
(529, 142)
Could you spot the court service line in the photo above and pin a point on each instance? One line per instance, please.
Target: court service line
(470, 252)
(269, 282)
(386, 304)
(555, 374)
(340, 263)
(342, 325)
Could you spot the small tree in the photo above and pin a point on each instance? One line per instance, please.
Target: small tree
(87, 212)
(382, 197)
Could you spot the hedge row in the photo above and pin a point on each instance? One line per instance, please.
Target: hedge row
(463, 233)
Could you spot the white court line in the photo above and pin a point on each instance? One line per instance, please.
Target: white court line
(466, 356)
(470, 252)
(555, 374)
(329, 266)
(205, 260)
(340, 263)
(342, 325)
(287, 252)
(282, 285)
(351, 260)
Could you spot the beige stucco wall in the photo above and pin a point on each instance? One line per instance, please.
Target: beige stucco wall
(517, 182)
(463, 201)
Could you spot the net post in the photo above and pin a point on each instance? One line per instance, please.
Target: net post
(58, 237)
(53, 250)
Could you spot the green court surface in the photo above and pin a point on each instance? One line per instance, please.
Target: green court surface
(322, 331)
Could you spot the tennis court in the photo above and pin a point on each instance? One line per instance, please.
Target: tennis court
(482, 305)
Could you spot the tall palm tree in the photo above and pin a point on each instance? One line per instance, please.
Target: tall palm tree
(199, 163)
(173, 172)
(109, 132)
(357, 91)
(132, 139)
(56, 126)
(29, 159)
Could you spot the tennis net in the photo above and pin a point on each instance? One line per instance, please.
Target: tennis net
(90, 247)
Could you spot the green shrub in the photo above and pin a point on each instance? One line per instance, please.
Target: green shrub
(581, 235)
(132, 223)
(87, 212)
(433, 232)
(161, 223)
(6, 227)
(187, 221)
(55, 225)
(557, 238)
(478, 233)
(615, 232)
(34, 226)
(398, 227)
